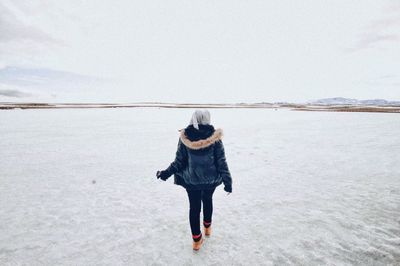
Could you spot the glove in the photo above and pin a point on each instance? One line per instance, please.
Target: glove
(163, 175)
(228, 188)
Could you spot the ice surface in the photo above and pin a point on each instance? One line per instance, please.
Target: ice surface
(78, 187)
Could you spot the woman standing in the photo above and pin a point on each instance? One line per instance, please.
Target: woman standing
(199, 166)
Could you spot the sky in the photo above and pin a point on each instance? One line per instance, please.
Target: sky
(198, 51)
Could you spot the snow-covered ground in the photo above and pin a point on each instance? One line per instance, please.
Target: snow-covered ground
(78, 187)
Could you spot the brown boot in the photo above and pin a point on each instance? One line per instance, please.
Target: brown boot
(207, 231)
(207, 228)
(197, 244)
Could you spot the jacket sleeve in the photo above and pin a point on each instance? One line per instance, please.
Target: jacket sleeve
(180, 161)
(222, 165)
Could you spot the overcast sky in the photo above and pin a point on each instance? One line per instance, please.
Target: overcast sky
(200, 51)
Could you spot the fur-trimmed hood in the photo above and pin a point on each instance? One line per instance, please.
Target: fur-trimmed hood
(210, 136)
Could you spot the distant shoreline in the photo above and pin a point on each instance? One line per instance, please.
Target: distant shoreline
(294, 107)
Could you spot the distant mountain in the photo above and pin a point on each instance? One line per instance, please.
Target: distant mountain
(378, 102)
(349, 101)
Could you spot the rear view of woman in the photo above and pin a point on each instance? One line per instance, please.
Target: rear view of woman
(199, 166)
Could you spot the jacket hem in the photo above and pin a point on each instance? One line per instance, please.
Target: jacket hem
(197, 187)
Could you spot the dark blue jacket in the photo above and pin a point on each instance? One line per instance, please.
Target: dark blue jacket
(200, 161)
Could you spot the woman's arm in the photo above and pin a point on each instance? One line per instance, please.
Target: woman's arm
(222, 166)
(180, 159)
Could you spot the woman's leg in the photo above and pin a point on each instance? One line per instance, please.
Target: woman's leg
(207, 206)
(194, 212)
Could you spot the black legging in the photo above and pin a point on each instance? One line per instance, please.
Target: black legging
(195, 199)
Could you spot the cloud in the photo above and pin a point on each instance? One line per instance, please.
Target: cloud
(384, 81)
(371, 39)
(45, 84)
(393, 7)
(14, 93)
(43, 77)
(380, 32)
(383, 23)
(20, 41)
(13, 29)
(391, 76)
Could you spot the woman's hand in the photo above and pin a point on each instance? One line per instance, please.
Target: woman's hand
(228, 189)
(163, 175)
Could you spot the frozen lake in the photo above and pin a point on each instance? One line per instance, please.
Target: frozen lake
(310, 188)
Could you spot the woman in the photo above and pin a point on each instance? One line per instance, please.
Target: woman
(199, 166)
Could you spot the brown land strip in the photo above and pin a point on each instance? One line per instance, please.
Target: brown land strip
(295, 107)
(7, 106)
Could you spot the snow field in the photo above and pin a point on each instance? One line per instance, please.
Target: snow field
(309, 188)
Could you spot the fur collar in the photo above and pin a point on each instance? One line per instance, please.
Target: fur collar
(202, 143)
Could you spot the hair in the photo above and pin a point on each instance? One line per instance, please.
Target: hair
(200, 117)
